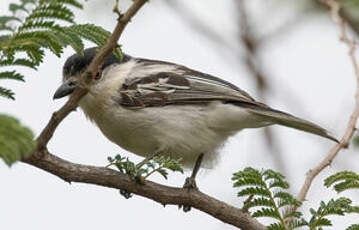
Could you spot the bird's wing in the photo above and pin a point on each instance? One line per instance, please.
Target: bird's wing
(187, 86)
(184, 86)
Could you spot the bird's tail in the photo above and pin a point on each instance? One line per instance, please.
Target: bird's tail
(285, 119)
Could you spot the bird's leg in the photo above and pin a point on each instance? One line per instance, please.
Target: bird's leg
(190, 182)
(139, 179)
(148, 158)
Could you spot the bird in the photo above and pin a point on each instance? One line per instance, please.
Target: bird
(151, 107)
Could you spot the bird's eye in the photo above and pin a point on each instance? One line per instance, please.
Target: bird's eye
(98, 76)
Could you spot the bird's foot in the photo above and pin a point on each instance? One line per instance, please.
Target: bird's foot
(147, 159)
(190, 182)
(139, 178)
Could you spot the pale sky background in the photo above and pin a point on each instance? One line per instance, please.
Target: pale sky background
(311, 77)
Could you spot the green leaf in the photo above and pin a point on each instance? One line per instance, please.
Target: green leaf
(266, 190)
(346, 185)
(297, 223)
(256, 202)
(353, 227)
(288, 214)
(158, 164)
(343, 175)
(249, 181)
(6, 19)
(5, 22)
(44, 39)
(73, 3)
(68, 37)
(20, 61)
(93, 33)
(40, 24)
(7, 93)
(16, 141)
(15, 7)
(286, 199)
(254, 191)
(340, 207)
(267, 212)
(276, 226)
(11, 75)
(323, 222)
(53, 11)
(343, 181)
(163, 172)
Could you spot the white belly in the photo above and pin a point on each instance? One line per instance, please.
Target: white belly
(181, 131)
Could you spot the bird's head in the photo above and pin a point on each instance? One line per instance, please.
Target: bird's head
(76, 64)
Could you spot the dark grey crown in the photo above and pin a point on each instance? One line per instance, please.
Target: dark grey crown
(77, 63)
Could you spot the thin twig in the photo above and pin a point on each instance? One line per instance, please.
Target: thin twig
(82, 89)
(344, 142)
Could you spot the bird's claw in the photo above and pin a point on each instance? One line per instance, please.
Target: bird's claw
(190, 184)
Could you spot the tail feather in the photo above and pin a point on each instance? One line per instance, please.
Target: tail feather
(285, 119)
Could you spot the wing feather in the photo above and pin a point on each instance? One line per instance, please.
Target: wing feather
(184, 86)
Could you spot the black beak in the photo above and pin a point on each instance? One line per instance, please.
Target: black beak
(65, 89)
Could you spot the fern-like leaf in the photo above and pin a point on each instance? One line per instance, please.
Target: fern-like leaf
(276, 226)
(353, 227)
(256, 202)
(343, 181)
(254, 191)
(53, 11)
(93, 33)
(7, 93)
(267, 212)
(5, 22)
(11, 75)
(266, 192)
(297, 223)
(16, 141)
(339, 206)
(159, 164)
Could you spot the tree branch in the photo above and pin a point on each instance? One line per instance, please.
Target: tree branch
(164, 195)
(344, 142)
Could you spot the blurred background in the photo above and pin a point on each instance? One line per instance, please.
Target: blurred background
(284, 53)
